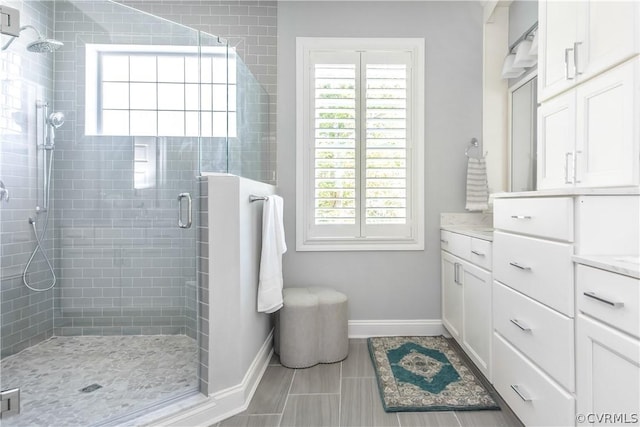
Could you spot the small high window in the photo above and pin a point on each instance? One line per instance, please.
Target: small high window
(160, 91)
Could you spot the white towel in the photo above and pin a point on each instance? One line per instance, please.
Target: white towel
(477, 190)
(273, 246)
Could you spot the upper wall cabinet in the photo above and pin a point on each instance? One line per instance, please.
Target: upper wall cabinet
(579, 39)
(589, 88)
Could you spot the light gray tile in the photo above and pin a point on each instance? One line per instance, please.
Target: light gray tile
(358, 363)
(486, 419)
(317, 410)
(317, 379)
(421, 419)
(251, 421)
(271, 393)
(361, 405)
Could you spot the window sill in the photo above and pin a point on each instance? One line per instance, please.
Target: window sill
(336, 245)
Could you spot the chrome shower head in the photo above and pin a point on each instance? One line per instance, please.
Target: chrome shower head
(44, 45)
(41, 45)
(55, 120)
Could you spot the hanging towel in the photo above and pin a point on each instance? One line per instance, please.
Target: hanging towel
(273, 246)
(477, 190)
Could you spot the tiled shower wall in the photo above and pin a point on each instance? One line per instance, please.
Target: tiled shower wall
(203, 279)
(250, 26)
(27, 316)
(125, 266)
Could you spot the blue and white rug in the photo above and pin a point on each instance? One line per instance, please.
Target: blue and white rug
(425, 374)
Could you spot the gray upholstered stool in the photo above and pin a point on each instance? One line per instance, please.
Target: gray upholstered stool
(311, 327)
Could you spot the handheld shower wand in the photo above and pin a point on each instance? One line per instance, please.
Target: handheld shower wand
(54, 121)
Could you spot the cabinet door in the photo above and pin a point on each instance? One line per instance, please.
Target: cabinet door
(610, 34)
(608, 372)
(607, 116)
(476, 334)
(452, 295)
(556, 141)
(557, 32)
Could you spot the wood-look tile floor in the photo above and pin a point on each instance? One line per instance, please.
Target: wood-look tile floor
(343, 394)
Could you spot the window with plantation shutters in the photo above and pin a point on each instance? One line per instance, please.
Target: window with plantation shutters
(360, 144)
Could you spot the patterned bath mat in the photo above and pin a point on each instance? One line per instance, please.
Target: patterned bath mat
(425, 374)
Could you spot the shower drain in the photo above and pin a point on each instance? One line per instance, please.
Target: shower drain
(90, 388)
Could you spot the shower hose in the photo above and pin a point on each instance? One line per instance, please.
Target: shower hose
(32, 221)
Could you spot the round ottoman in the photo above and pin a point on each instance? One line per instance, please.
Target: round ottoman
(311, 327)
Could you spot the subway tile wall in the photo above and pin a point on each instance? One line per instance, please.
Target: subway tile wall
(26, 316)
(250, 27)
(203, 279)
(125, 266)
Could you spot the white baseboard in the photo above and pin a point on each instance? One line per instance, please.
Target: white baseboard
(382, 328)
(225, 403)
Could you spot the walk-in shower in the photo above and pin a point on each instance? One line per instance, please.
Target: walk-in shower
(109, 324)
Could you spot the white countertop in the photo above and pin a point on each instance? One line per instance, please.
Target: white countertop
(629, 265)
(483, 233)
(575, 191)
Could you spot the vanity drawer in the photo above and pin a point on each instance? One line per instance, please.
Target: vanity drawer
(550, 217)
(540, 269)
(543, 335)
(456, 244)
(611, 298)
(533, 396)
(481, 253)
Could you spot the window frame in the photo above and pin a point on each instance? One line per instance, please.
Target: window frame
(306, 237)
(96, 53)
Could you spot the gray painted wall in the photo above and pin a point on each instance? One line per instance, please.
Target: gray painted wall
(522, 15)
(390, 285)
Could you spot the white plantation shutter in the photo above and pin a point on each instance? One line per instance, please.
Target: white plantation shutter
(357, 145)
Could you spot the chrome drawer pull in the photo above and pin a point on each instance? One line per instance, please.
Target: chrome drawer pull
(520, 325)
(516, 265)
(520, 217)
(520, 393)
(604, 300)
(446, 242)
(456, 273)
(477, 253)
(566, 64)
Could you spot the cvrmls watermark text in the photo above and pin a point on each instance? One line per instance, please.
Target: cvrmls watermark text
(608, 418)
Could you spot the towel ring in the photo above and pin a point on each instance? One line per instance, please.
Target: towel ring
(473, 144)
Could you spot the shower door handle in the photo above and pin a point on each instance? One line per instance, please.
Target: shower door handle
(181, 223)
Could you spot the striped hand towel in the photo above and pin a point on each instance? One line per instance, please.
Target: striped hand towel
(477, 190)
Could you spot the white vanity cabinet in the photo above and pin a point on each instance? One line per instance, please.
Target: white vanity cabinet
(608, 344)
(533, 308)
(589, 89)
(566, 330)
(466, 295)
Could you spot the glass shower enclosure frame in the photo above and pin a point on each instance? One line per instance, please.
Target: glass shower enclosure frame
(123, 213)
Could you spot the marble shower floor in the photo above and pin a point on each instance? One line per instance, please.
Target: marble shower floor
(134, 371)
